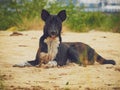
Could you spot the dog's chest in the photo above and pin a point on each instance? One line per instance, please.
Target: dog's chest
(52, 45)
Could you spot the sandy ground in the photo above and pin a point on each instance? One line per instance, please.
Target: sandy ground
(17, 49)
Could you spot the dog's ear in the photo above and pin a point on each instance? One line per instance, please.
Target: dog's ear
(62, 15)
(44, 15)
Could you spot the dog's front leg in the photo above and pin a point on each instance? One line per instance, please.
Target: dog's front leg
(46, 61)
(51, 64)
(30, 63)
(42, 45)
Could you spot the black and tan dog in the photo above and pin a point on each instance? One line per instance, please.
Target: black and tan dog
(52, 51)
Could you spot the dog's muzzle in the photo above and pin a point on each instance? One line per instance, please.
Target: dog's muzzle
(53, 34)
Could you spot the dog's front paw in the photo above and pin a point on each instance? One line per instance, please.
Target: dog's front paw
(51, 64)
(24, 64)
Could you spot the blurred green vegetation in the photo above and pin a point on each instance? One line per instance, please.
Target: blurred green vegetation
(25, 15)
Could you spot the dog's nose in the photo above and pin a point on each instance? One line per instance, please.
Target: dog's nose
(53, 33)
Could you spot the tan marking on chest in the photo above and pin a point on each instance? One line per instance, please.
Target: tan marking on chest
(53, 45)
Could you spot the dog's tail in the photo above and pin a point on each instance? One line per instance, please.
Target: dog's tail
(94, 56)
(102, 60)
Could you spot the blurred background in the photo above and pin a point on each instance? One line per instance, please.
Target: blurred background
(82, 15)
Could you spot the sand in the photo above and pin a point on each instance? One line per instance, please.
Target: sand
(18, 49)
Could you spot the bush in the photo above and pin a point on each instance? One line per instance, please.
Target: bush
(111, 23)
(85, 21)
(20, 13)
(30, 24)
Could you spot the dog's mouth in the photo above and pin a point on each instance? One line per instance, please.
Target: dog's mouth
(53, 36)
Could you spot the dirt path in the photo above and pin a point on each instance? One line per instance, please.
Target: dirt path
(17, 49)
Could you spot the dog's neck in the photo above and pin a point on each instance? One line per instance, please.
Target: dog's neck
(53, 45)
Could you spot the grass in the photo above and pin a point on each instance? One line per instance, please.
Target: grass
(30, 24)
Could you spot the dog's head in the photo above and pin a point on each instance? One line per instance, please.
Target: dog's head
(53, 23)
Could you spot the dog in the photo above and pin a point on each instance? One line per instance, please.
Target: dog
(53, 52)
(49, 41)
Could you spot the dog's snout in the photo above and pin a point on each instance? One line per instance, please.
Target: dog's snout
(53, 33)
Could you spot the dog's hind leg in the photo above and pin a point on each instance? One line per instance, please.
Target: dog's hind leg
(73, 55)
